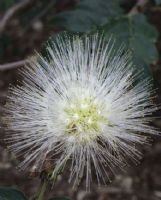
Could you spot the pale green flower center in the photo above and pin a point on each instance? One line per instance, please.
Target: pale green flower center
(84, 116)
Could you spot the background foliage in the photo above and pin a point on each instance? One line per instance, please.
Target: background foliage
(26, 24)
(125, 20)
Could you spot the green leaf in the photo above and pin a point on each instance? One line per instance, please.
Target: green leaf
(138, 35)
(5, 40)
(157, 2)
(11, 194)
(59, 198)
(5, 4)
(87, 15)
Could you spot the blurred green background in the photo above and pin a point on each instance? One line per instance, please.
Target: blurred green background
(24, 27)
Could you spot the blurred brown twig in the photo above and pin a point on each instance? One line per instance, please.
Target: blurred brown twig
(139, 7)
(12, 11)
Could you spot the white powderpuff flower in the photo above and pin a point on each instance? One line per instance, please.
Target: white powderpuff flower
(81, 104)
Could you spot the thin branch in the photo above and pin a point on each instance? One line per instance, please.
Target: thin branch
(12, 65)
(12, 11)
(139, 7)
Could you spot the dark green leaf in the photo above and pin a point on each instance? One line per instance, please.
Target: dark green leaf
(59, 198)
(5, 4)
(5, 40)
(138, 35)
(11, 194)
(157, 2)
(87, 15)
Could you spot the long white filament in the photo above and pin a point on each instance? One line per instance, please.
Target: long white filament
(79, 68)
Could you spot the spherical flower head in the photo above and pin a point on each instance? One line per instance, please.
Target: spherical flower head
(82, 104)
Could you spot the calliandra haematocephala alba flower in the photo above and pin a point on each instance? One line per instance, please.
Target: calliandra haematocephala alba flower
(82, 103)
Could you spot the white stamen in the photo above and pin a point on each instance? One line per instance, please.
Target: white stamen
(84, 104)
(76, 116)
